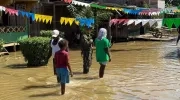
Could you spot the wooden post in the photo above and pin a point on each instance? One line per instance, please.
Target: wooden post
(54, 16)
(109, 30)
(116, 26)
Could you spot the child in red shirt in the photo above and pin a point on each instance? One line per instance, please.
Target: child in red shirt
(62, 64)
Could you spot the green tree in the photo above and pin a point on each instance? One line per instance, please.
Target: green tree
(86, 36)
(173, 2)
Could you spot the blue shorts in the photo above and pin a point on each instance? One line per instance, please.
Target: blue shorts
(63, 75)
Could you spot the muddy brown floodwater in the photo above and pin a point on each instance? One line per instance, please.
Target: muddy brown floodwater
(138, 71)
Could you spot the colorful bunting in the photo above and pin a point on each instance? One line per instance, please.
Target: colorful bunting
(113, 8)
(68, 20)
(80, 3)
(43, 18)
(85, 21)
(152, 22)
(135, 21)
(130, 22)
(131, 11)
(11, 11)
(27, 14)
(170, 21)
(159, 23)
(98, 6)
(68, 1)
(2, 8)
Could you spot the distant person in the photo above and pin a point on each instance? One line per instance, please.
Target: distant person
(62, 65)
(141, 29)
(54, 47)
(78, 37)
(102, 45)
(178, 30)
(87, 50)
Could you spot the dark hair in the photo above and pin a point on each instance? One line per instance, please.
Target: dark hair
(63, 44)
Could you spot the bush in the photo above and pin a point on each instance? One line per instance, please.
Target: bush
(35, 50)
(1, 44)
(47, 33)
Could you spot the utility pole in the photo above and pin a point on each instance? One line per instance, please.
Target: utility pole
(149, 3)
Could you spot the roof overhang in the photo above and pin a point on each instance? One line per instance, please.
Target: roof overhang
(29, 3)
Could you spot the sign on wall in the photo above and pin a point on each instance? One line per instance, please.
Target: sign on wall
(161, 4)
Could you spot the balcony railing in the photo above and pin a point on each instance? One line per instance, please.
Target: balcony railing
(10, 29)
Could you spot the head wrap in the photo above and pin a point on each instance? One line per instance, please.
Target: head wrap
(102, 33)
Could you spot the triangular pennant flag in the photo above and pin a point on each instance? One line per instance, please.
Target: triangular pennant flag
(22, 13)
(176, 22)
(49, 19)
(159, 23)
(130, 22)
(169, 22)
(152, 22)
(115, 21)
(145, 21)
(44, 18)
(2, 8)
(71, 20)
(62, 20)
(66, 20)
(121, 21)
(76, 22)
(11, 11)
(125, 21)
(37, 16)
(68, 1)
(137, 21)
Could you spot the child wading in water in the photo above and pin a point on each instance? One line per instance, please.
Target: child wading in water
(63, 65)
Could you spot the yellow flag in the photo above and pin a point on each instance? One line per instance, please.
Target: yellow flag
(70, 20)
(44, 17)
(114, 8)
(48, 19)
(77, 22)
(120, 9)
(66, 20)
(37, 16)
(40, 18)
(62, 20)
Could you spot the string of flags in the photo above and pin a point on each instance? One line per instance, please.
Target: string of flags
(169, 22)
(48, 19)
(136, 22)
(78, 21)
(137, 11)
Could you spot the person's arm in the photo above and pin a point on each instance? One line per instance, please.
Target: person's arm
(50, 50)
(107, 49)
(69, 66)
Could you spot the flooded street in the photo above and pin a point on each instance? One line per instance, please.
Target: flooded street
(139, 70)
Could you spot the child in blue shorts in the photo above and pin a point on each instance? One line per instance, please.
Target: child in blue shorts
(62, 65)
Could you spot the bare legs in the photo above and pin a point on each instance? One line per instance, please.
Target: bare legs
(178, 39)
(62, 88)
(101, 70)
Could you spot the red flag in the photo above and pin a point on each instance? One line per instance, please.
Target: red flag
(67, 1)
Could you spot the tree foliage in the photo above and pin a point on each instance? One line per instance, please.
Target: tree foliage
(88, 12)
(172, 2)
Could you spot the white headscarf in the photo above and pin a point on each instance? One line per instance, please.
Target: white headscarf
(102, 33)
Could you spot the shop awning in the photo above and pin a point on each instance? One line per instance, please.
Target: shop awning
(29, 3)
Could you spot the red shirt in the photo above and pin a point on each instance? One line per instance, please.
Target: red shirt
(61, 59)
